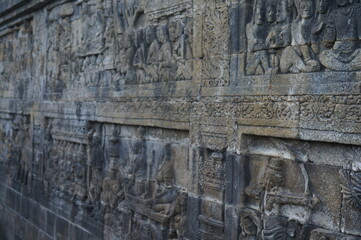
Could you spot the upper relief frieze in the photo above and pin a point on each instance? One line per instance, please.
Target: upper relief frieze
(295, 36)
(114, 45)
(150, 49)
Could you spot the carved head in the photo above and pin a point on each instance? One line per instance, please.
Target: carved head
(281, 13)
(162, 33)
(175, 30)
(323, 6)
(188, 30)
(259, 12)
(271, 12)
(306, 9)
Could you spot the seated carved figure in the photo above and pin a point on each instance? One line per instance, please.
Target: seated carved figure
(280, 34)
(165, 194)
(165, 55)
(256, 35)
(139, 57)
(343, 31)
(136, 170)
(152, 57)
(299, 57)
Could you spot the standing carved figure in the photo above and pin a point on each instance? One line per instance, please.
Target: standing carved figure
(137, 166)
(95, 165)
(299, 57)
(128, 62)
(112, 194)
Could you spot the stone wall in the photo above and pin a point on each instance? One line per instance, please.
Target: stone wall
(180, 119)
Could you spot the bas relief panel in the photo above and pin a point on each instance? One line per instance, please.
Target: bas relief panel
(116, 175)
(302, 36)
(111, 146)
(109, 45)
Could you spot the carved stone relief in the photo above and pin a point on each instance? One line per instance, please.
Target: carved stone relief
(112, 178)
(179, 119)
(302, 36)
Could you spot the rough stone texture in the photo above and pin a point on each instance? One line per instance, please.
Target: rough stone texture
(180, 119)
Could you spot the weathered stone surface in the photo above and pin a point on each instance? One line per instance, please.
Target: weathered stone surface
(179, 119)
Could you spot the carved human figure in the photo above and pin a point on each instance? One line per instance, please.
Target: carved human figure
(271, 12)
(256, 36)
(129, 69)
(175, 30)
(137, 166)
(95, 166)
(80, 174)
(165, 55)
(271, 22)
(13, 157)
(185, 66)
(139, 58)
(251, 225)
(50, 168)
(165, 193)
(181, 36)
(343, 31)
(114, 145)
(280, 35)
(177, 225)
(96, 150)
(299, 57)
(152, 55)
(92, 29)
(323, 9)
(112, 193)
(53, 66)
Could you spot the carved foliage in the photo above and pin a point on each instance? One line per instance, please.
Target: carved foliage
(351, 184)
